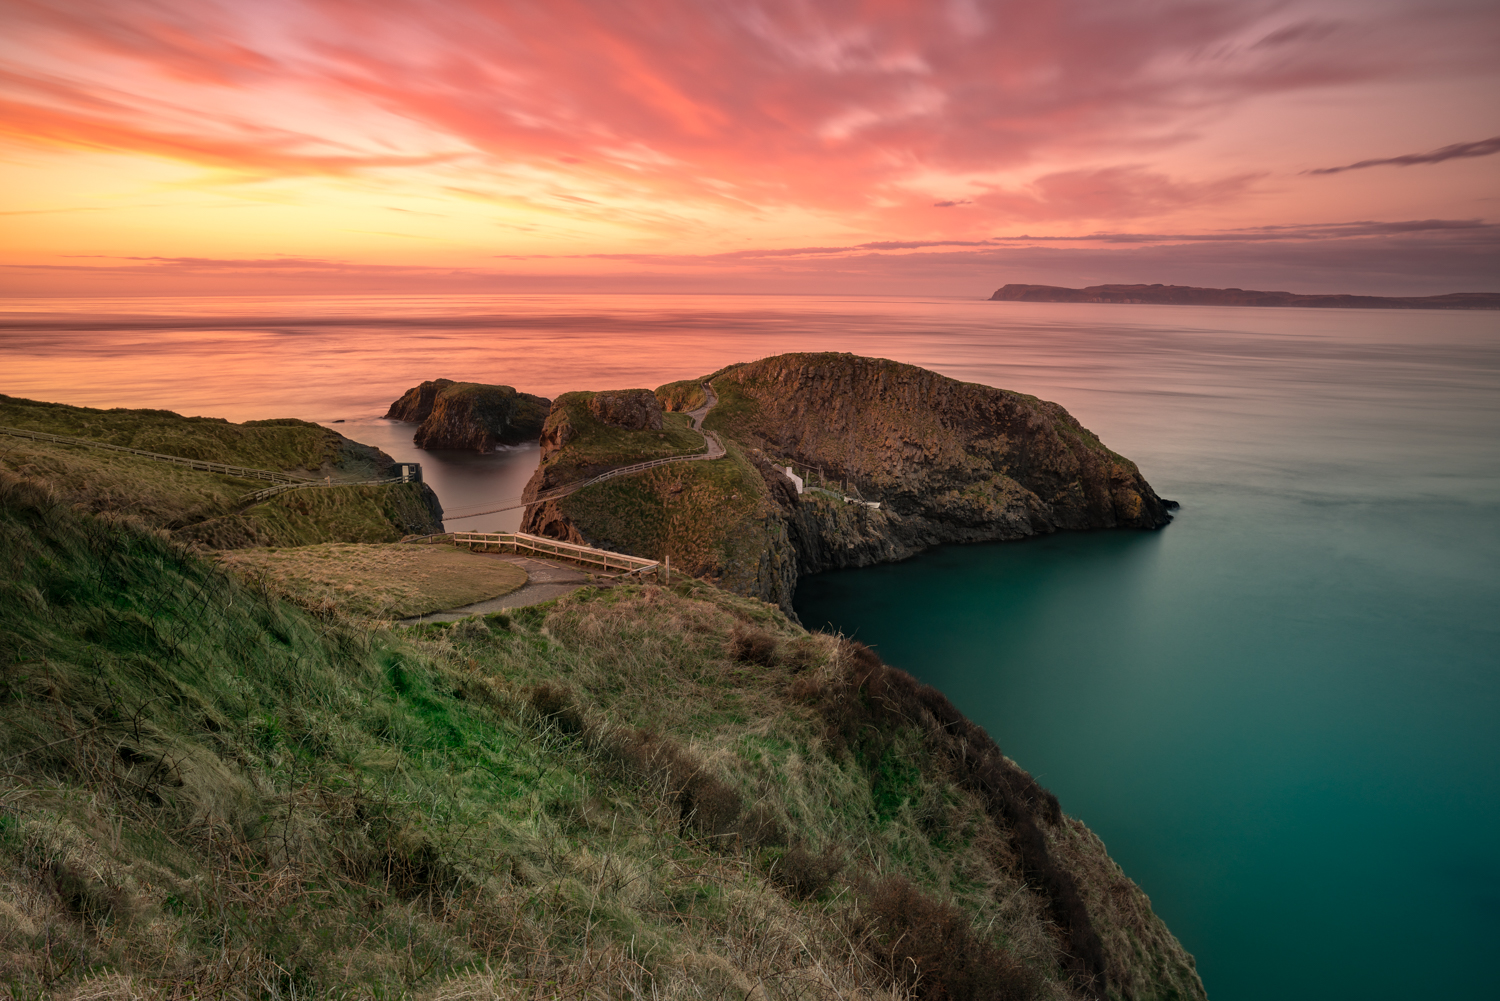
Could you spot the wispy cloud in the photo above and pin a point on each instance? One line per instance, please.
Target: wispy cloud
(1457, 151)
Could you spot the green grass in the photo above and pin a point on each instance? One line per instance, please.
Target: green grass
(209, 792)
(709, 516)
(307, 517)
(284, 444)
(593, 446)
(207, 508)
(165, 495)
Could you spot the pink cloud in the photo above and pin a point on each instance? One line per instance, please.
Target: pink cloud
(772, 103)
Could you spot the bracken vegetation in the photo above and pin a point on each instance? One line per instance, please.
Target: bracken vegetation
(632, 792)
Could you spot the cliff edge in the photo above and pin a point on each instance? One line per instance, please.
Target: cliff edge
(469, 415)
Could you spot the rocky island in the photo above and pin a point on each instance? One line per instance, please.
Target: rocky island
(893, 459)
(469, 415)
(1189, 295)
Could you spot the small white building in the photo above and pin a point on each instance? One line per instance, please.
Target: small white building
(794, 478)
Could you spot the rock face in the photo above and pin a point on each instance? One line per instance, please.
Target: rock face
(470, 415)
(631, 409)
(1189, 295)
(946, 461)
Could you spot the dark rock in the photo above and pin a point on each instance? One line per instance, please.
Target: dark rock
(470, 415)
(782, 490)
(631, 409)
(416, 403)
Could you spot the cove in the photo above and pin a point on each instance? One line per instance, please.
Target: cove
(1278, 712)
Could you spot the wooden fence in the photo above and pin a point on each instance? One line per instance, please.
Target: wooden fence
(521, 541)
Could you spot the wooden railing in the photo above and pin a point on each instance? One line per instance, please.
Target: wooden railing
(518, 541)
(243, 472)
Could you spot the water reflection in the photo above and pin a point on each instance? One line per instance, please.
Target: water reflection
(463, 480)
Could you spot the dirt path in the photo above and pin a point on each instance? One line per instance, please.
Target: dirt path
(545, 580)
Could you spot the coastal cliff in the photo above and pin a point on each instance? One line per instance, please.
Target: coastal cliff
(469, 415)
(1190, 295)
(667, 791)
(208, 509)
(895, 459)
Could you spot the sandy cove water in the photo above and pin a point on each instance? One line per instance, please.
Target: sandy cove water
(1280, 712)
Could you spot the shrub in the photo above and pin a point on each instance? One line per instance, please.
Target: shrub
(471, 628)
(805, 875)
(927, 947)
(556, 704)
(752, 645)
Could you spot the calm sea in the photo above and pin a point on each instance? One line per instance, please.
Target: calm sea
(1280, 712)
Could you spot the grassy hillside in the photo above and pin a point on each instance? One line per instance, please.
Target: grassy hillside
(285, 444)
(206, 508)
(376, 513)
(593, 446)
(208, 792)
(709, 516)
(682, 396)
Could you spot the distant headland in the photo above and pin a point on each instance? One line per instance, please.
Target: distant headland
(1189, 295)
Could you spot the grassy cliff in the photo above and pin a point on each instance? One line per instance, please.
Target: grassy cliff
(206, 791)
(576, 444)
(207, 508)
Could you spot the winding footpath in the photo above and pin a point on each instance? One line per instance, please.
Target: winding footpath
(712, 449)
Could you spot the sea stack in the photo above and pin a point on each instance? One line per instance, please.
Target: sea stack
(470, 415)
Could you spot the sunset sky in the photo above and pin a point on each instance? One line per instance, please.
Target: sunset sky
(224, 146)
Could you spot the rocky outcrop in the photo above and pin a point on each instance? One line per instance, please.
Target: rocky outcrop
(631, 409)
(470, 415)
(947, 461)
(1189, 295)
(415, 404)
(895, 459)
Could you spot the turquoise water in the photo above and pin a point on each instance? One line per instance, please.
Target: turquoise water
(1280, 712)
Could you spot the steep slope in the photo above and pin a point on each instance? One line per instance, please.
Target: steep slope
(469, 415)
(629, 792)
